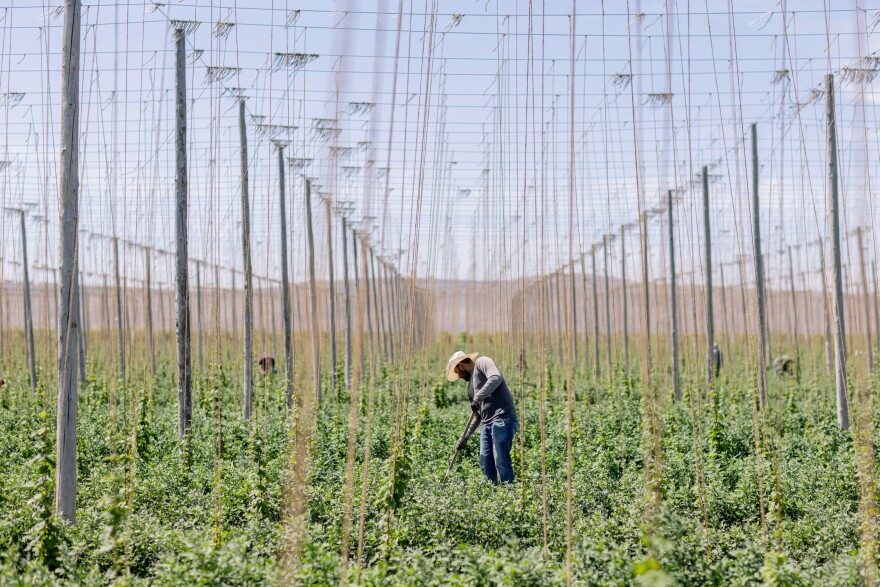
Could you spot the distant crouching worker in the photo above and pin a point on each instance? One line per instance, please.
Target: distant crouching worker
(783, 366)
(267, 364)
(492, 405)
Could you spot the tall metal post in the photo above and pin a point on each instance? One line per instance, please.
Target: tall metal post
(313, 296)
(673, 304)
(837, 273)
(68, 328)
(28, 308)
(332, 287)
(866, 296)
(759, 273)
(184, 351)
(285, 282)
(248, 269)
(347, 301)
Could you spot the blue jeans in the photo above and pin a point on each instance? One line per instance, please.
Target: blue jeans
(496, 439)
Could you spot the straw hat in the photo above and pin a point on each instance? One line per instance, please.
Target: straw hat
(456, 358)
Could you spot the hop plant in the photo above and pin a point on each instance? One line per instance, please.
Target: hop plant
(46, 539)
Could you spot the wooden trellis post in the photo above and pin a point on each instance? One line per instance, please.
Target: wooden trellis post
(331, 284)
(710, 314)
(865, 295)
(68, 329)
(837, 273)
(597, 360)
(28, 307)
(148, 308)
(248, 269)
(759, 273)
(313, 296)
(347, 302)
(120, 329)
(624, 299)
(673, 308)
(607, 308)
(182, 326)
(285, 282)
(794, 310)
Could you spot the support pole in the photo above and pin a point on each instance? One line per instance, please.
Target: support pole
(759, 273)
(83, 343)
(313, 296)
(865, 295)
(285, 283)
(596, 363)
(876, 300)
(607, 310)
(574, 332)
(347, 302)
(199, 323)
(182, 326)
(837, 273)
(332, 287)
(248, 270)
(710, 313)
(68, 328)
(794, 310)
(625, 305)
(120, 329)
(148, 307)
(28, 308)
(673, 304)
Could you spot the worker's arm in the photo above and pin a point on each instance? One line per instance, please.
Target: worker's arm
(493, 379)
(471, 428)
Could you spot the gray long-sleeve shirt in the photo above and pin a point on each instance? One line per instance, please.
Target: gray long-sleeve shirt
(488, 389)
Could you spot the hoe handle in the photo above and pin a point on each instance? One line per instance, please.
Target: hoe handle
(455, 453)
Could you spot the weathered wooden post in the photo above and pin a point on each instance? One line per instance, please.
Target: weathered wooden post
(199, 323)
(313, 296)
(148, 308)
(248, 269)
(794, 310)
(68, 328)
(184, 349)
(710, 313)
(673, 307)
(837, 273)
(759, 273)
(347, 302)
(285, 281)
(623, 295)
(596, 359)
(607, 307)
(866, 296)
(332, 286)
(120, 334)
(28, 307)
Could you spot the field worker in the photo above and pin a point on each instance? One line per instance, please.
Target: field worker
(493, 407)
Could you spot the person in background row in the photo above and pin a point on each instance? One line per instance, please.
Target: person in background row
(267, 364)
(492, 405)
(783, 366)
(717, 358)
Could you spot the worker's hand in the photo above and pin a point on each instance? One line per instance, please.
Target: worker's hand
(475, 407)
(461, 443)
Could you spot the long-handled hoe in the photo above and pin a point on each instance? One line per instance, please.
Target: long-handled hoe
(455, 453)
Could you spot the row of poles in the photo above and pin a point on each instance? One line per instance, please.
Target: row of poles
(389, 297)
(552, 287)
